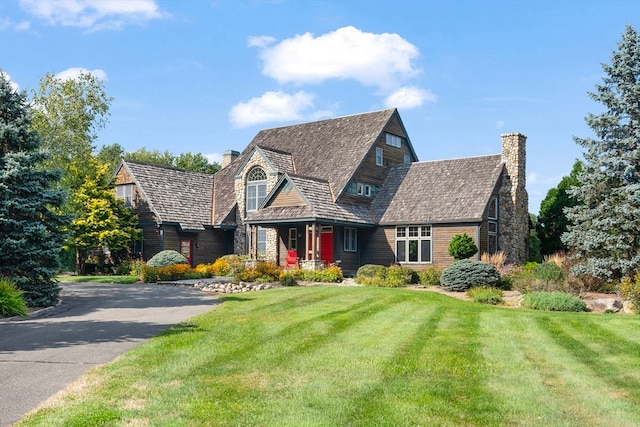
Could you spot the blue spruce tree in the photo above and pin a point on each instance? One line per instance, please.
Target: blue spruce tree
(604, 230)
(30, 226)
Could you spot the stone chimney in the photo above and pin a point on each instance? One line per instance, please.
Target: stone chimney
(514, 200)
(228, 157)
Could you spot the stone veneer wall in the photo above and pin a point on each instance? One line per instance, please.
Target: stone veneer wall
(240, 184)
(514, 200)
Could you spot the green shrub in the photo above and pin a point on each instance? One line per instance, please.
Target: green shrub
(462, 247)
(368, 271)
(553, 301)
(394, 276)
(485, 295)
(262, 272)
(235, 263)
(467, 273)
(430, 276)
(166, 258)
(405, 275)
(630, 290)
(11, 301)
(288, 279)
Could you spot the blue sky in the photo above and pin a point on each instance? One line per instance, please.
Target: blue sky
(205, 76)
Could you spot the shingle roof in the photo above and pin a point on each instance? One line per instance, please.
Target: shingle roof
(174, 195)
(317, 194)
(329, 149)
(442, 191)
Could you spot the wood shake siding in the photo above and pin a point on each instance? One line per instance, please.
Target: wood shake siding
(441, 237)
(291, 198)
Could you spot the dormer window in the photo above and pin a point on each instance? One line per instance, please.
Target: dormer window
(393, 140)
(256, 188)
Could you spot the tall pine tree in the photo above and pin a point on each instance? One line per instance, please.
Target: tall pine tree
(605, 224)
(30, 225)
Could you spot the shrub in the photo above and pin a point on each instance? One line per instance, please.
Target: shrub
(462, 246)
(467, 273)
(394, 276)
(288, 279)
(630, 290)
(430, 276)
(553, 301)
(11, 301)
(332, 274)
(263, 272)
(165, 258)
(405, 275)
(236, 263)
(485, 295)
(368, 271)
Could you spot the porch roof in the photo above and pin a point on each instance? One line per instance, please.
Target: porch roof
(319, 206)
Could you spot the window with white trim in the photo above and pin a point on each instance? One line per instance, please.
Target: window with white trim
(393, 140)
(350, 239)
(256, 188)
(413, 244)
(379, 156)
(124, 192)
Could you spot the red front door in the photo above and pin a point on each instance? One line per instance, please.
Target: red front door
(326, 244)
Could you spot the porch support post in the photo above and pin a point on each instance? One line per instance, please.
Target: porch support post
(314, 243)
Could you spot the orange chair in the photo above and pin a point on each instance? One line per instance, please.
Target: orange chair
(292, 259)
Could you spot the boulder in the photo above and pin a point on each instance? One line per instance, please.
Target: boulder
(605, 304)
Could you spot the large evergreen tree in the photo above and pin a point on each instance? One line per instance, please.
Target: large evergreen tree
(552, 221)
(605, 227)
(30, 223)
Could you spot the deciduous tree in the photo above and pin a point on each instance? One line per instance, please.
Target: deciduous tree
(605, 231)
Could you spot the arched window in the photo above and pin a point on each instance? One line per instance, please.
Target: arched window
(256, 188)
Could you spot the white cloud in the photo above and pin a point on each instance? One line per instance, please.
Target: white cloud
(13, 84)
(272, 106)
(260, 41)
(348, 53)
(75, 72)
(532, 178)
(500, 124)
(7, 24)
(409, 97)
(94, 14)
(214, 157)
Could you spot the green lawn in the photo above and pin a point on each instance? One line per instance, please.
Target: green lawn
(353, 356)
(99, 279)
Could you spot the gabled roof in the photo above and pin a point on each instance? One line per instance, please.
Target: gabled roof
(318, 205)
(442, 191)
(174, 195)
(330, 150)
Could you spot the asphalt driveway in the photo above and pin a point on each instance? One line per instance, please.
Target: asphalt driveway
(43, 353)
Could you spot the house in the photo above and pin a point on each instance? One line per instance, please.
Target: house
(347, 190)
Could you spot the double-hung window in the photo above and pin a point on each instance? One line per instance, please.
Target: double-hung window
(256, 188)
(350, 239)
(413, 244)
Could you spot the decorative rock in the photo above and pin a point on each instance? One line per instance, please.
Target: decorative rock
(606, 304)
